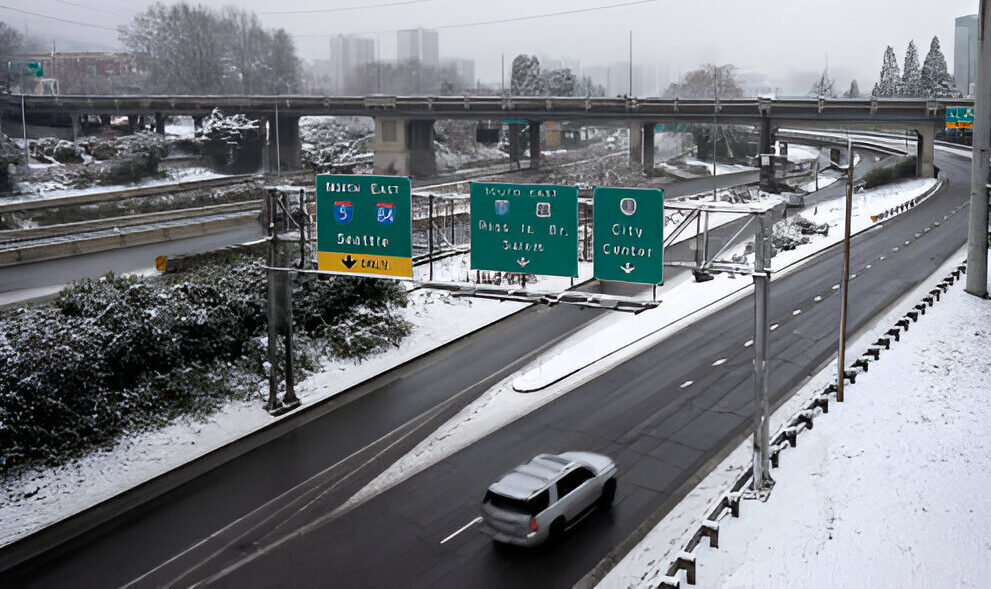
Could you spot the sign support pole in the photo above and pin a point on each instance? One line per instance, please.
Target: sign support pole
(24, 128)
(977, 235)
(273, 340)
(430, 234)
(762, 481)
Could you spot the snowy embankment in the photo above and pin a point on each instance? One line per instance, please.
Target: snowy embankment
(888, 489)
(612, 339)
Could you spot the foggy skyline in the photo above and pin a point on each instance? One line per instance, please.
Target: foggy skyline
(788, 41)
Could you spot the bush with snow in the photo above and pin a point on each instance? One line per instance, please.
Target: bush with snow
(119, 354)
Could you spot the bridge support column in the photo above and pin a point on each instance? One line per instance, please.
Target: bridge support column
(132, 121)
(924, 144)
(404, 147)
(636, 145)
(534, 144)
(160, 123)
(284, 147)
(767, 181)
(75, 126)
(515, 145)
(648, 148)
(197, 123)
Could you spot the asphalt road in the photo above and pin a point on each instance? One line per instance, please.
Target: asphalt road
(659, 433)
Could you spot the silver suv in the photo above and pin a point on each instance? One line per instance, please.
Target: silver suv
(542, 498)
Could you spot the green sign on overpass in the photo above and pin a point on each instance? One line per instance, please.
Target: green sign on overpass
(628, 232)
(959, 117)
(364, 225)
(530, 228)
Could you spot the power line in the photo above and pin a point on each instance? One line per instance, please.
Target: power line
(502, 20)
(93, 8)
(346, 8)
(65, 20)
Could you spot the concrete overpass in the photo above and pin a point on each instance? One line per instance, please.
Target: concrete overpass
(404, 125)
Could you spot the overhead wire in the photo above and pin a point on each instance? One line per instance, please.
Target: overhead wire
(503, 20)
(345, 8)
(65, 20)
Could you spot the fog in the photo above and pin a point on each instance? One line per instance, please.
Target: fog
(788, 42)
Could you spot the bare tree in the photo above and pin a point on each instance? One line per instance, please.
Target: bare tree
(707, 82)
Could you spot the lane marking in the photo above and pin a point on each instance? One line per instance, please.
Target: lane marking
(687, 384)
(868, 267)
(907, 242)
(894, 249)
(773, 327)
(817, 299)
(719, 361)
(882, 258)
(836, 287)
(796, 312)
(748, 343)
(463, 528)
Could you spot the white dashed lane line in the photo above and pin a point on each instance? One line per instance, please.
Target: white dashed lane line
(748, 343)
(719, 361)
(462, 528)
(687, 384)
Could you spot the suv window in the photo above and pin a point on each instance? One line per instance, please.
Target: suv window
(573, 480)
(531, 506)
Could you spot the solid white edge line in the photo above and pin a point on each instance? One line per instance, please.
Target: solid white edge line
(463, 528)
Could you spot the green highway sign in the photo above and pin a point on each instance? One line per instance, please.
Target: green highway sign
(510, 121)
(364, 225)
(959, 117)
(530, 228)
(628, 233)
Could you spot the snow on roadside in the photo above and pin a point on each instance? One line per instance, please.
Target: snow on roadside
(720, 168)
(888, 489)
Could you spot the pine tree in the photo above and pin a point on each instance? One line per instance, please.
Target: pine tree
(911, 85)
(853, 92)
(887, 85)
(935, 81)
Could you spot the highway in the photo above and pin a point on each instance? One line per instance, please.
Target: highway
(660, 434)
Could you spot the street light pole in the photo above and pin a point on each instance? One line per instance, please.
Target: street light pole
(977, 234)
(845, 281)
(761, 469)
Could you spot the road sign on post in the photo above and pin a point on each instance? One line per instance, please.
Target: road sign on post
(959, 117)
(628, 231)
(530, 228)
(364, 225)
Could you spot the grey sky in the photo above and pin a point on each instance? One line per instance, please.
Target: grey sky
(781, 38)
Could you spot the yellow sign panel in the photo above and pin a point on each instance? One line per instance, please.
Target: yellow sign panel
(365, 264)
(160, 263)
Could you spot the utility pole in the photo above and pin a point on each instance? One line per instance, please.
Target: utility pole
(503, 74)
(845, 281)
(631, 65)
(715, 127)
(977, 235)
(762, 254)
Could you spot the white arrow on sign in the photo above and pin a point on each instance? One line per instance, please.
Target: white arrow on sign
(523, 262)
(627, 268)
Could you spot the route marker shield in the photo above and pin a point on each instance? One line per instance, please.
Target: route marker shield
(628, 234)
(364, 225)
(530, 228)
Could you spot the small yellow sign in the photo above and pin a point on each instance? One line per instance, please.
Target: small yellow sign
(365, 264)
(160, 263)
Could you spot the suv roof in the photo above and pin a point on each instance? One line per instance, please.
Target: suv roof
(528, 479)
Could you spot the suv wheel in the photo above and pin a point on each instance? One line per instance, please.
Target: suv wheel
(608, 494)
(557, 529)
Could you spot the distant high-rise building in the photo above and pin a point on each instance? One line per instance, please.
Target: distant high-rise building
(465, 68)
(419, 45)
(965, 54)
(348, 54)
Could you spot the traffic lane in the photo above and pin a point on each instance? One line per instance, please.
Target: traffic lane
(688, 431)
(679, 188)
(203, 506)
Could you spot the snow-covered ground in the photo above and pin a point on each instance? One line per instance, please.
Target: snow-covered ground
(45, 190)
(42, 497)
(888, 490)
(720, 168)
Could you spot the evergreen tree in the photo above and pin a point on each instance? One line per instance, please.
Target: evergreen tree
(911, 85)
(935, 81)
(887, 85)
(526, 79)
(853, 92)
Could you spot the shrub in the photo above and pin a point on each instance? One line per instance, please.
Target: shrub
(118, 354)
